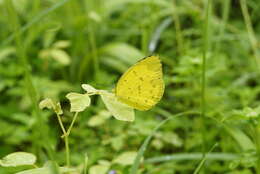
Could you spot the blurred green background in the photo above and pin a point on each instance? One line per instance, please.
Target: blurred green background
(58, 45)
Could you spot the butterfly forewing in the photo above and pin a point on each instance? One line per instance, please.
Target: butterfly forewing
(141, 86)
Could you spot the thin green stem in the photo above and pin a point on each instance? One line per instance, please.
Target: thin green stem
(145, 40)
(66, 135)
(178, 29)
(143, 147)
(61, 124)
(66, 139)
(250, 31)
(203, 81)
(255, 134)
(93, 46)
(253, 41)
(85, 164)
(31, 90)
(257, 139)
(36, 19)
(218, 156)
(72, 123)
(223, 23)
(204, 159)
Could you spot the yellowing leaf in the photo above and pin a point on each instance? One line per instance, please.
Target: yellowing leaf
(44, 54)
(48, 103)
(58, 109)
(119, 110)
(126, 158)
(99, 119)
(47, 170)
(99, 169)
(6, 52)
(89, 88)
(94, 16)
(60, 56)
(18, 159)
(61, 44)
(85, 163)
(78, 102)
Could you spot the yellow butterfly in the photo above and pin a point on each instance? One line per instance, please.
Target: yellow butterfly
(141, 86)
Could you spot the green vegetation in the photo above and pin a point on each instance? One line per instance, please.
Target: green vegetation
(207, 121)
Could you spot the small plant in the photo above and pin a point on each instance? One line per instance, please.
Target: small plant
(79, 102)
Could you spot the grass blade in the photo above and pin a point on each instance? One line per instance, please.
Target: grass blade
(36, 19)
(142, 149)
(194, 156)
(204, 159)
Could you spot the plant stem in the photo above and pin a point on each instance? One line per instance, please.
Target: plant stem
(253, 42)
(204, 159)
(255, 134)
(72, 123)
(21, 51)
(66, 139)
(176, 20)
(203, 81)
(93, 46)
(61, 125)
(66, 135)
(225, 16)
(143, 147)
(250, 31)
(145, 40)
(35, 20)
(258, 148)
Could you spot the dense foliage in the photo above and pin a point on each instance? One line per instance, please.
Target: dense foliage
(49, 48)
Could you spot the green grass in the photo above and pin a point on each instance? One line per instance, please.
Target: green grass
(210, 55)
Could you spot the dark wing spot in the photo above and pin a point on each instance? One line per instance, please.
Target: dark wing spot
(139, 89)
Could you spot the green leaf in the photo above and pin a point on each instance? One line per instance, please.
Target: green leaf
(99, 169)
(78, 102)
(18, 159)
(89, 88)
(61, 44)
(6, 52)
(126, 158)
(251, 112)
(99, 119)
(122, 52)
(60, 56)
(94, 16)
(85, 164)
(119, 110)
(47, 170)
(242, 139)
(146, 142)
(111, 5)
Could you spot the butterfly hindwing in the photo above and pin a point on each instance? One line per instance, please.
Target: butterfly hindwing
(141, 86)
